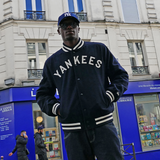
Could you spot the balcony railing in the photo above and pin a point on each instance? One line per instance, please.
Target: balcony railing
(35, 73)
(140, 70)
(34, 15)
(81, 16)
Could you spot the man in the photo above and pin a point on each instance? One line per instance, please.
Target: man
(89, 79)
(21, 141)
(40, 147)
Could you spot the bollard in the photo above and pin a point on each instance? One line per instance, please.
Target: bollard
(2, 158)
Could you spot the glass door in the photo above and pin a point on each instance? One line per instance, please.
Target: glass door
(51, 133)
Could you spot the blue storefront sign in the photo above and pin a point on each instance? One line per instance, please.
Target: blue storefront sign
(143, 87)
(6, 128)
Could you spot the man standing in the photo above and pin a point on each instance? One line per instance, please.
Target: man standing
(22, 151)
(40, 147)
(89, 79)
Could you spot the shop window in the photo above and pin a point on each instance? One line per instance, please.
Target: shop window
(34, 10)
(137, 59)
(148, 115)
(78, 7)
(130, 11)
(51, 132)
(36, 59)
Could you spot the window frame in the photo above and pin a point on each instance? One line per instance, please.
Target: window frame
(143, 53)
(36, 52)
(75, 5)
(137, 13)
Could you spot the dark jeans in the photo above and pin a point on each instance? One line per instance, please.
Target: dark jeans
(101, 142)
(42, 156)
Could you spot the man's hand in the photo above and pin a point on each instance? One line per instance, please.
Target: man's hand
(25, 136)
(10, 154)
(59, 112)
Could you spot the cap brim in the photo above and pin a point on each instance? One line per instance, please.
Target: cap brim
(69, 17)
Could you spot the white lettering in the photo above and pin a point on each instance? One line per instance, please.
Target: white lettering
(91, 60)
(84, 59)
(67, 14)
(99, 62)
(62, 69)
(32, 94)
(68, 63)
(76, 60)
(57, 74)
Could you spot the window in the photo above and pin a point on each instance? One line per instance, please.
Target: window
(130, 11)
(36, 59)
(137, 58)
(51, 132)
(148, 115)
(34, 9)
(78, 7)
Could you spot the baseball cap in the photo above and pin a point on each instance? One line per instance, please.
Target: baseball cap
(66, 15)
(40, 127)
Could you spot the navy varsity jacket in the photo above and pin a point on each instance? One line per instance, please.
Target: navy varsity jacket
(88, 78)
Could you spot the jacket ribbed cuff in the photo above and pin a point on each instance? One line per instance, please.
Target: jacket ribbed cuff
(55, 108)
(110, 95)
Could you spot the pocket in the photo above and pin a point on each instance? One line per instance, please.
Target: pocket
(111, 125)
(67, 135)
(106, 100)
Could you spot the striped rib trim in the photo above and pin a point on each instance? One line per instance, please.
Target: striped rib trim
(54, 109)
(110, 95)
(103, 119)
(76, 126)
(71, 126)
(78, 46)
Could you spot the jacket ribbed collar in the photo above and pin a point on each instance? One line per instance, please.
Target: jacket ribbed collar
(79, 44)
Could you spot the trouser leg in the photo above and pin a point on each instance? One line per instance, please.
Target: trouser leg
(78, 146)
(106, 144)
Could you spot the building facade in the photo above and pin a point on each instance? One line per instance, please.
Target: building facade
(130, 29)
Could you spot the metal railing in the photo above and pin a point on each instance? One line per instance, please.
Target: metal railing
(81, 16)
(124, 151)
(140, 70)
(34, 15)
(35, 73)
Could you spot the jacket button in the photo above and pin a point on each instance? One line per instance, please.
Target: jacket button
(84, 110)
(81, 94)
(78, 79)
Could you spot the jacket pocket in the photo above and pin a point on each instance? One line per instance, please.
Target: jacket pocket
(66, 135)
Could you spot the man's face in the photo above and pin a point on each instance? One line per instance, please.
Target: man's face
(23, 133)
(69, 30)
(41, 131)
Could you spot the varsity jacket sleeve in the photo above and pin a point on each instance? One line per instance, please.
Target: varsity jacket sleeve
(45, 94)
(117, 77)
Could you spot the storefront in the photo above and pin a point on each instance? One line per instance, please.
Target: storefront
(139, 117)
(136, 116)
(19, 111)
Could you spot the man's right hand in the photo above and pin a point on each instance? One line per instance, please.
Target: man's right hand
(59, 112)
(10, 154)
(25, 136)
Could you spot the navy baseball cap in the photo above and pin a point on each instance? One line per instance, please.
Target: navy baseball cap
(67, 15)
(40, 127)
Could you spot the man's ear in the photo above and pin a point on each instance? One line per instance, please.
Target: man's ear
(59, 32)
(78, 29)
